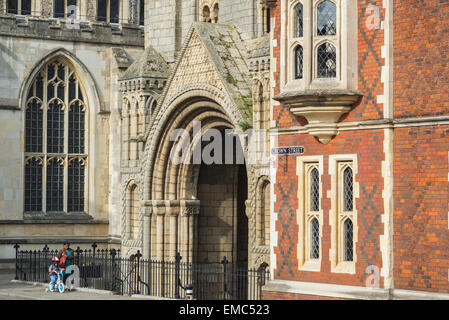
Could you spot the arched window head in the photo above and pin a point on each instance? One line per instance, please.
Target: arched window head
(134, 208)
(348, 236)
(206, 14)
(299, 62)
(298, 22)
(55, 95)
(314, 239)
(327, 61)
(216, 10)
(326, 18)
(348, 190)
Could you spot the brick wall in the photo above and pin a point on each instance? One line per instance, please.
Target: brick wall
(421, 58)
(367, 144)
(421, 82)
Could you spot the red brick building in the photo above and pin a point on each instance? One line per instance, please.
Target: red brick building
(363, 87)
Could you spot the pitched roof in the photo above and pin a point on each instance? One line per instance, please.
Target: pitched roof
(228, 53)
(149, 65)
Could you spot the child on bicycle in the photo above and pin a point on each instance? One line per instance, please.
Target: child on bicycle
(54, 270)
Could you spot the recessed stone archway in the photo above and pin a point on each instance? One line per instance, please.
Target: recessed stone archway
(192, 211)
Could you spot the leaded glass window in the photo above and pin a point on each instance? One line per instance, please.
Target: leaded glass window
(299, 62)
(76, 186)
(327, 18)
(298, 21)
(33, 184)
(315, 190)
(315, 239)
(55, 184)
(348, 234)
(55, 141)
(348, 192)
(327, 61)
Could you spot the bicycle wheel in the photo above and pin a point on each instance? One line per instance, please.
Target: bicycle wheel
(51, 287)
(61, 287)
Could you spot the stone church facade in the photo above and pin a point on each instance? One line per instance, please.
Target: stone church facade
(92, 94)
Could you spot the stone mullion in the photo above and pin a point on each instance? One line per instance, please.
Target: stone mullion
(44, 142)
(66, 139)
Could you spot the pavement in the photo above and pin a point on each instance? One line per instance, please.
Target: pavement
(11, 289)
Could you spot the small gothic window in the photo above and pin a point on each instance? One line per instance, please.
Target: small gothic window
(348, 192)
(56, 96)
(108, 11)
(327, 61)
(327, 18)
(298, 62)
(206, 14)
(22, 7)
(315, 239)
(114, 11)
(315, 190)
(348, 234)
(216, 13)
(298, 21)
(65, 9)
(141, 12)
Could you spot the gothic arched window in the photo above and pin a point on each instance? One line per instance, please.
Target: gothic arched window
(55, 142)
(327, 18)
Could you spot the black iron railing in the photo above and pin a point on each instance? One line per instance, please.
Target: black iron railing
(107, 270)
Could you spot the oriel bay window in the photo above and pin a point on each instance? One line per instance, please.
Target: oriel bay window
(55, 142)
(318, 62)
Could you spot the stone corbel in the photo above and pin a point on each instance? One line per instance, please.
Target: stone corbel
(321, 108)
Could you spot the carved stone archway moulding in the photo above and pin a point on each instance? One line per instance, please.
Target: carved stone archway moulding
(322, 109)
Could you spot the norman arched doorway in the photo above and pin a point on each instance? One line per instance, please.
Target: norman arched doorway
(198, 187)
